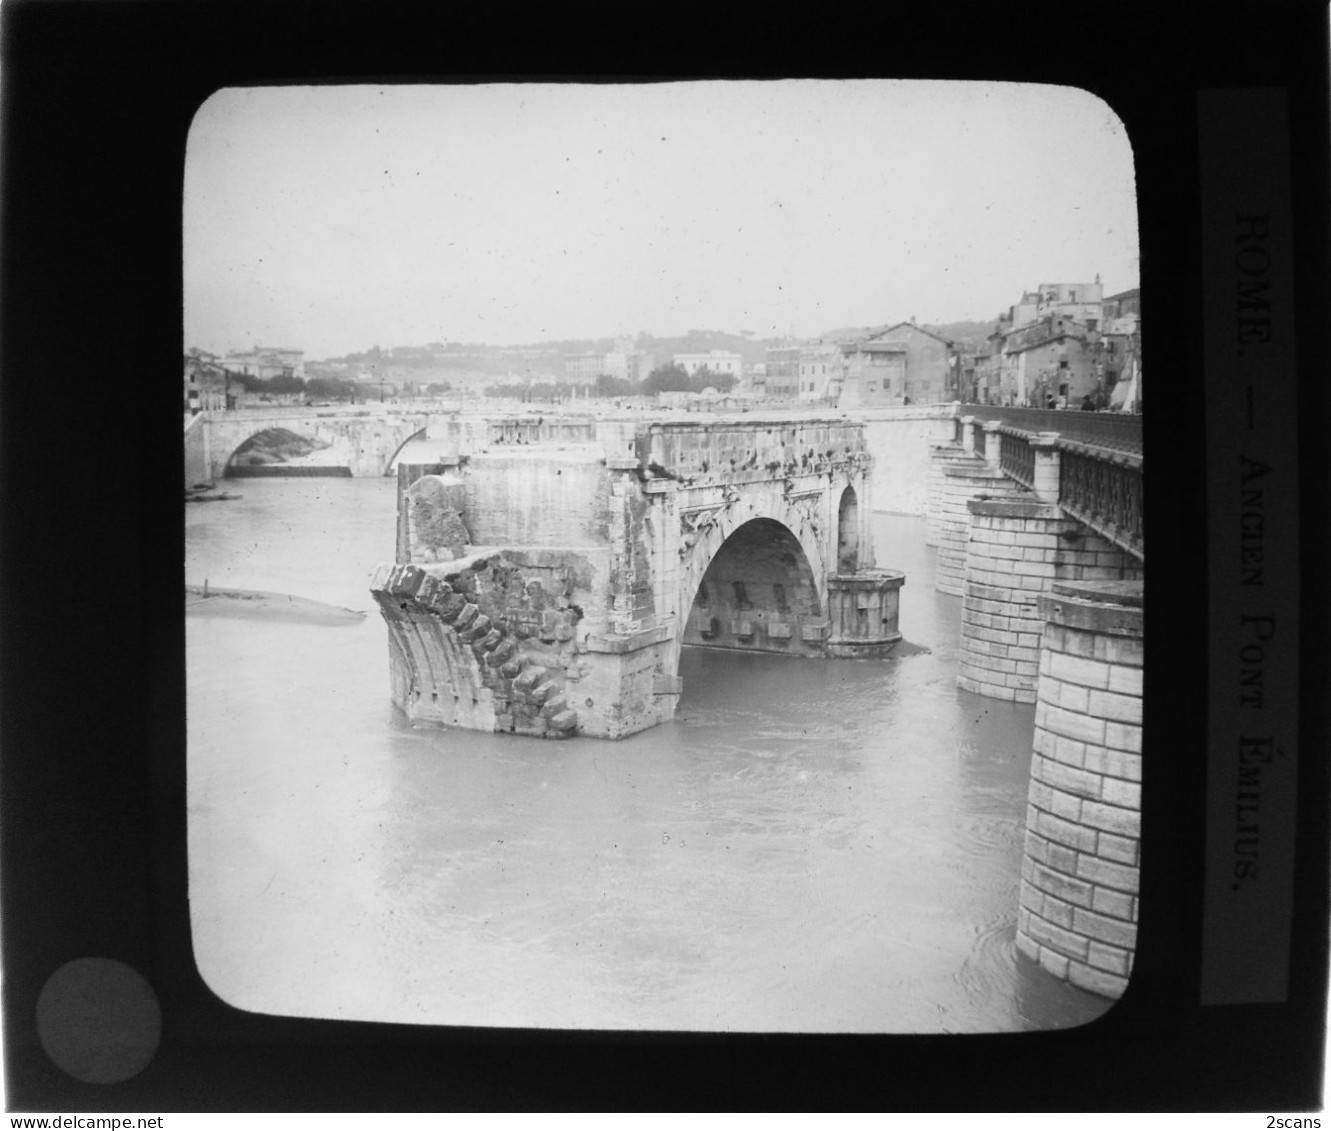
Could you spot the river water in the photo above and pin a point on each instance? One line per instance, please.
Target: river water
(812, 846)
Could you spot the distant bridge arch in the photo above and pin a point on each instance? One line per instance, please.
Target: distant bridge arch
(420, 434)
(363, 440)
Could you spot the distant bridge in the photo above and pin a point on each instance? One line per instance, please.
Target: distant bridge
(365, 440)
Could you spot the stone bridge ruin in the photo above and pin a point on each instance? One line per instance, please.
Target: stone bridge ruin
(545, 580)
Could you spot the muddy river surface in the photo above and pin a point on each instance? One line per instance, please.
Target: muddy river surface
(813, 846)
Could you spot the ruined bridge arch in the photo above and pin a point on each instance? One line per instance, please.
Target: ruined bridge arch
(758, 551)
(577, 572)
(752, 577)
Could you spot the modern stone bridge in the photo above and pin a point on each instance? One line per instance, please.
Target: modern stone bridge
(364, 440)
(1037, 517)
(547, 575)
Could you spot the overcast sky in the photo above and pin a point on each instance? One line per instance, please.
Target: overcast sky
(331, 219)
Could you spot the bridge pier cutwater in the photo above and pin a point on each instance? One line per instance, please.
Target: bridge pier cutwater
(1080, 873)
(545, 581)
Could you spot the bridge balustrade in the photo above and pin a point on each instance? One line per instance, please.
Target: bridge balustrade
(1016, 457)
(1114, 431)
(1104, 491)
(1099, 463)
(523, 430)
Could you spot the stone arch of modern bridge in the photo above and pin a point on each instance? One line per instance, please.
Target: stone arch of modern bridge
(546, 579)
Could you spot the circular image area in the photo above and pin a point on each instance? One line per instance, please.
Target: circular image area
(98, 1020)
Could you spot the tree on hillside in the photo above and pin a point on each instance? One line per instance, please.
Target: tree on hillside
(329, 388)
(281, 385)
(285, 384)
(670, 378)
(704, 378)
(608, 385)
(365, 392)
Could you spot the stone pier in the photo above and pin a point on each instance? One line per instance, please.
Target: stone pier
(1079, 883)
(941, 456)
(964, 480)
(1018, 549)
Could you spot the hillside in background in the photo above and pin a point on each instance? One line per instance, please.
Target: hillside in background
(467, 364)
(965, 335)
(852, 333)
(476, 364)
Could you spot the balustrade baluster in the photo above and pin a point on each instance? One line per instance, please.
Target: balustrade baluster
(1016, 456)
